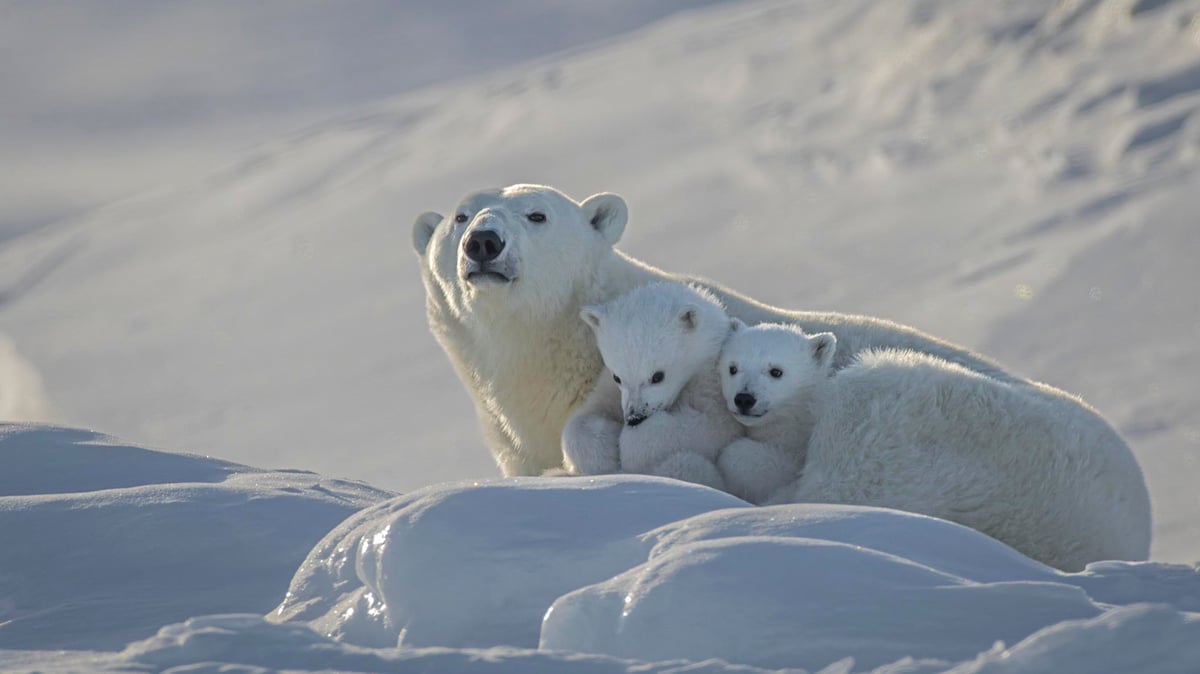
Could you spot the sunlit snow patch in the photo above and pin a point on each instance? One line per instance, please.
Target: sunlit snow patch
(651, 569)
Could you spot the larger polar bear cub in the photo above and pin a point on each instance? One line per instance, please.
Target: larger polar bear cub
(661, 342)
(508, 272)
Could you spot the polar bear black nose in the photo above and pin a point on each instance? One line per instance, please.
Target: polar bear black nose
(483, 245)
(744, 401)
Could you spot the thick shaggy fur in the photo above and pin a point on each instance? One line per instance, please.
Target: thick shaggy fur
(529, 363)
(777, 369)
(1024, 463)
(661, 341)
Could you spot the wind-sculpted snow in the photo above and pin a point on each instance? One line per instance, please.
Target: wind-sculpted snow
(177, 557)
(507, 547)
(651, 569)
(102, 542)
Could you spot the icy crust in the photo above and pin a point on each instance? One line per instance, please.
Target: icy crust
(102, 542)
(650, 569)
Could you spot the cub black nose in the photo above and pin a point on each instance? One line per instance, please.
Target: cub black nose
(634, 419)
(744, 401)
(483, 245)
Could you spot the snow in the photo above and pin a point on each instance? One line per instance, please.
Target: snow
(1017, 177)
(22, 397)
(105, 542)
(978, 170)
(159, 561)
(107, 99)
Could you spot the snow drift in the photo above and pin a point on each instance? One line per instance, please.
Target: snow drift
(102, 542)
(107, 543)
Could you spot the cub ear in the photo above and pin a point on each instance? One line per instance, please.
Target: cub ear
(823, 345)
(689, 316)
(607, 213)
(422, 230)
(736, 324)
(591, 315)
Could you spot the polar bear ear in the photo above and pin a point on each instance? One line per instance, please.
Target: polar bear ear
(591, 315)
(689, 316)
(736, 324)
(823, 345)
(607, 213)
(422, 230)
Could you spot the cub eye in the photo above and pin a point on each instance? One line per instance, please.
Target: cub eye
(536, 216)
(776, 372)
(616, 379)
(733, 369)
(656, 377)
(460, 218)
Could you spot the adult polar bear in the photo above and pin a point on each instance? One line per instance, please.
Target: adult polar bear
(507, 274)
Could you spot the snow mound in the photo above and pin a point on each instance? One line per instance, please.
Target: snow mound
(176, 557)
(648, 569)
(476, 564)
(102, 542)
(777, 602)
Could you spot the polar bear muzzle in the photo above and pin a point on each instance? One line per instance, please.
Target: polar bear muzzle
(485, 262)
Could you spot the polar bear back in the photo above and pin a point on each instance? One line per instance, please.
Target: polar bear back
(1025, 463)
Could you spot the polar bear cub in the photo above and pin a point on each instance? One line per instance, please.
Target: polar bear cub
(771, 375)
(661, 342)
(911, 431)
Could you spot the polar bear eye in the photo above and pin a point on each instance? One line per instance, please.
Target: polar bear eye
(776, 372)
(733, 369)
(460, 218)
(536, 216)
(657, 377)
(616, 379)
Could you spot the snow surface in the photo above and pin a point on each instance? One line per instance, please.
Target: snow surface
(102, 542)
(107, 98)
(1016, 177)
(183, 556)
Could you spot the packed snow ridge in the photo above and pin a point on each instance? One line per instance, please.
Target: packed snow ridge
(127, 545)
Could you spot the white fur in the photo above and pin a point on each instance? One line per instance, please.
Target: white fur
(529, 363)
(661, 342)
(1024, 463)
(778, 370)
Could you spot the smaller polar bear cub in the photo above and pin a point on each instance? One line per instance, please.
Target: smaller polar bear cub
(770, 376)
(661, 342)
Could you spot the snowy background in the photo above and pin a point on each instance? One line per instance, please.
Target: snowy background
(204, 246)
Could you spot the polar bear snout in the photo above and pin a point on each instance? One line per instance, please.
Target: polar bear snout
(744, 402)
(483, 245)
(486, 260)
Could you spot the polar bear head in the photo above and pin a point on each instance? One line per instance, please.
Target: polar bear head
(770, 367)
(655, 339)
(515, 250)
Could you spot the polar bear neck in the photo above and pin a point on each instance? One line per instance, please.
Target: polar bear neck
(533, 382)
